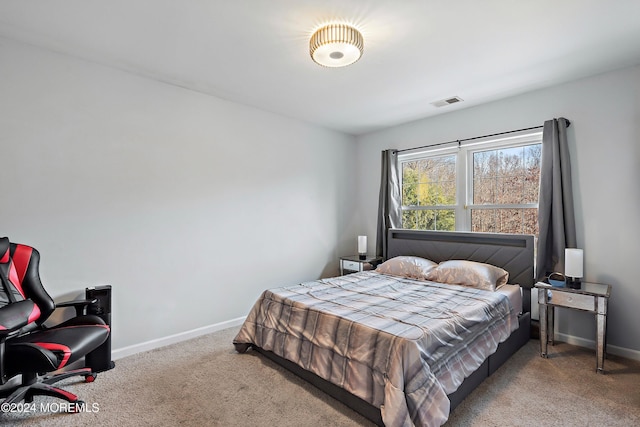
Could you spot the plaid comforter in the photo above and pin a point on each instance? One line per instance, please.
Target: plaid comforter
(399, 344)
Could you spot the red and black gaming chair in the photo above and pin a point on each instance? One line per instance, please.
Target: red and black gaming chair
(28, 347)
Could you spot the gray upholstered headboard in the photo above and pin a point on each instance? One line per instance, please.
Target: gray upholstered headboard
(512, 252)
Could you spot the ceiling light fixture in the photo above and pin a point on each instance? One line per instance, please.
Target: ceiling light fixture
(336, 45)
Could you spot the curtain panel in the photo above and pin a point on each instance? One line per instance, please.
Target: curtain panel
(389, 204)
(556, 218)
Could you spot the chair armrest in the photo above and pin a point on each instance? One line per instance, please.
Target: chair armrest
(79, 304)
(15, 316)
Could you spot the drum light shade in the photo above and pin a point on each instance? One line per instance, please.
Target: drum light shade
(573, 262)
(336, 45)
(573, 267)
(362, 245)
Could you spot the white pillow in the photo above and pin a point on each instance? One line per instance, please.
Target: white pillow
(469, 273)
(411, 267)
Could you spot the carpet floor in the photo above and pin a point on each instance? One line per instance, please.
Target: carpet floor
(204, 382)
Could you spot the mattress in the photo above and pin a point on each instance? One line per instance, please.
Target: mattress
(514, 293)
(400, 345)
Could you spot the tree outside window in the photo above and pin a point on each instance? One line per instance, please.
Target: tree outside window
(429, 193)
(505, 190)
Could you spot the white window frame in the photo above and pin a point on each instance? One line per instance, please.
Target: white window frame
(464, 171)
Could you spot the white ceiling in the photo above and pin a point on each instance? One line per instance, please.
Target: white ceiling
(416, 51)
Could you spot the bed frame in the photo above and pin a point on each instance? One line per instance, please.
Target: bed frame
(512, 252)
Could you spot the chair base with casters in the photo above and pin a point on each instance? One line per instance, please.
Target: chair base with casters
(33, 386)
(49, 351)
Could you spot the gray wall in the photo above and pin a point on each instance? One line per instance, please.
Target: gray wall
(187, 204)
(604, 140)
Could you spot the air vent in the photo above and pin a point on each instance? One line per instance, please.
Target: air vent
(447, 101)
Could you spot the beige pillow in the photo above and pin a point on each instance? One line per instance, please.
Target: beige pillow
(411, 267)
(469, 273)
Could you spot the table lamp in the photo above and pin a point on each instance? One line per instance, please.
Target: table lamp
(362, 247)
(573, 263)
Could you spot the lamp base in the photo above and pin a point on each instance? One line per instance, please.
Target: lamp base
(574, 282)
(362, 256)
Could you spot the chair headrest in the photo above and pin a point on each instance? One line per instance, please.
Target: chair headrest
(5, 247)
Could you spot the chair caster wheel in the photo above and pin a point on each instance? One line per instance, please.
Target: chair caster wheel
(90, 378)
(79, 405)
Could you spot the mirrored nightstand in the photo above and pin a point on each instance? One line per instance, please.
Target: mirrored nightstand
(591, 297)
(353, 264)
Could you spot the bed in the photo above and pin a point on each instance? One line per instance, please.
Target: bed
(375, 341)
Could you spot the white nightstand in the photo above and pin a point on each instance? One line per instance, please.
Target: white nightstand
(353, 264)
(591, 297)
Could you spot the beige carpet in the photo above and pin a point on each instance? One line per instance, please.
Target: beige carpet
(203, 382)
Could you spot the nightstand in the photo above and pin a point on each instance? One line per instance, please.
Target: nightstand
(591, 297)
(353, 264)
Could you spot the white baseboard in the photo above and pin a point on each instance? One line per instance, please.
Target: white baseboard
(172, 339)
(611, 349)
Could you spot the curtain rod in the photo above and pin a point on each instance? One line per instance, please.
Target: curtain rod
(475, 137)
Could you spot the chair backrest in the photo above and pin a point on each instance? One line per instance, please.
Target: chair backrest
(20, 269)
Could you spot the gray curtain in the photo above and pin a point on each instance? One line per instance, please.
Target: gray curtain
(556, 218)
(389, 207)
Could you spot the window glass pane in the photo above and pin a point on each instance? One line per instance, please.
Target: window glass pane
(429, 182)
(530, 225)
(409, 220)
(519, 221)
(531, 184)
(445, 220)
(483, 220)
(410, 183)
(429, 219)
(506, 175)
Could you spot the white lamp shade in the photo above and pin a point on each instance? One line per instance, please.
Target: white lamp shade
(362, 244)
(573, 262)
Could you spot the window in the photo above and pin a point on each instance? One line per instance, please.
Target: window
(490, 185)
(429, 193)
